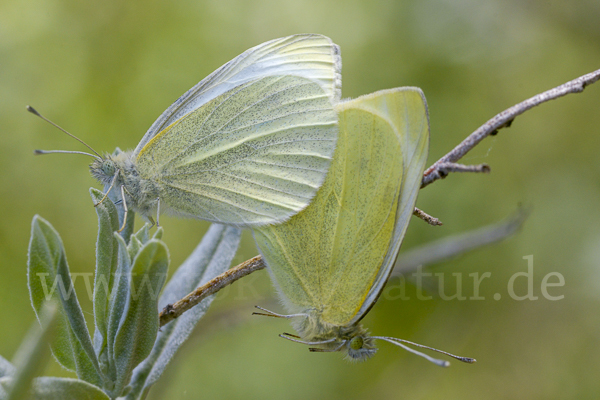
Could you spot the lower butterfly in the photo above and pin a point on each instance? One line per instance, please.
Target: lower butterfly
(330, 262)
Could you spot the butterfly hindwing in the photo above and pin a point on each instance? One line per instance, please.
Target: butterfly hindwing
(332, 256)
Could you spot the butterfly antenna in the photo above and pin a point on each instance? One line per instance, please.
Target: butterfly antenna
(42, 152)
(35, 112)
(441, 363)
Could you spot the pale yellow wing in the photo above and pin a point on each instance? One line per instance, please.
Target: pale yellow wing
(250, 144)
(332, 256)
(309, 56)
(254, 155)
(406, 110)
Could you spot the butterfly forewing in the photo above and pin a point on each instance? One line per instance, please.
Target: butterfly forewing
(254, 155)
(309, 56)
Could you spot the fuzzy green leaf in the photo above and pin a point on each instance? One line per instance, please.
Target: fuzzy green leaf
(34, 352)
(118, 302)
(50, 388)
(48, 278)
(107, 249)
(6, 368)
(143, 235)
(134, 245)
(211, 257)
(158, 234)
(5, 383)
(139, 324)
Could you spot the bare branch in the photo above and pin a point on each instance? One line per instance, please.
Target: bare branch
(445, 168)
(456, 245)
(172, 311)
(426, 217)
(504, 119)
(440, 169)
(409, 261)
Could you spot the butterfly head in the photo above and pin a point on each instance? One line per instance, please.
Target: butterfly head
(359, 346)
(104, 169)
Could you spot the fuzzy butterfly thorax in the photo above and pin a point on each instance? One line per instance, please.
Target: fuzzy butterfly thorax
(141, 195)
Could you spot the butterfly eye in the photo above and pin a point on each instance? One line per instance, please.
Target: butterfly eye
(356, 343)
(108, 167)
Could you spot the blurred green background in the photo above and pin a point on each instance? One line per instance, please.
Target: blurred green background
(106, 70)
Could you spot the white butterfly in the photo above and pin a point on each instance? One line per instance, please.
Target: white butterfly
(249, 145)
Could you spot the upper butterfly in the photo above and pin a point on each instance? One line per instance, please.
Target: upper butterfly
(249, 145)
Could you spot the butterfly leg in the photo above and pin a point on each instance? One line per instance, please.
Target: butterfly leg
(268, 313)
(321, 350)
(112, 183)
(157, 211)
(294, 338)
